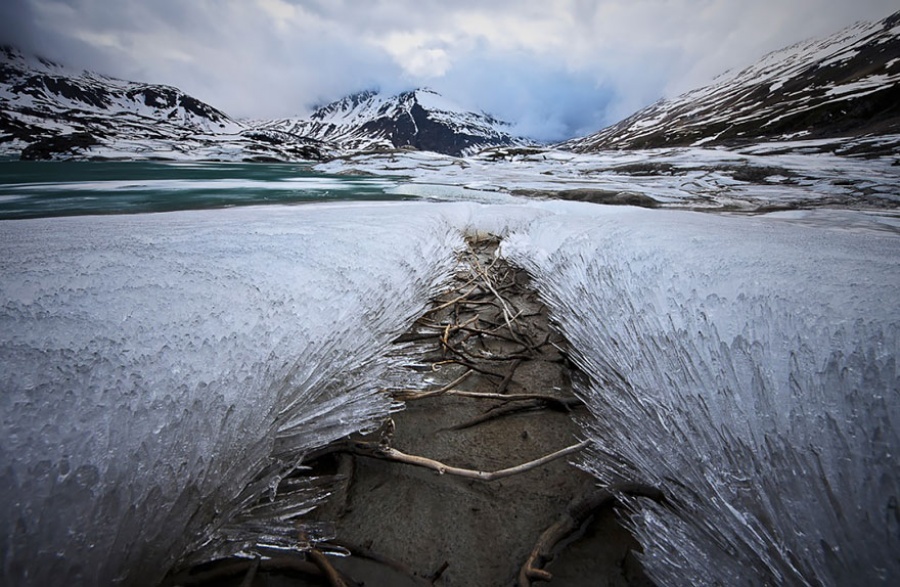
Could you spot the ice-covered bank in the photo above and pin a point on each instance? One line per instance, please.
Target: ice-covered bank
(160, 372)
(747, 367)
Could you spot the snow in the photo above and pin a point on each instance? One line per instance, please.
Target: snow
(344, 123)
(736, 98)
(866, 85)
(675, 177)
(433, 101)
(160, 373)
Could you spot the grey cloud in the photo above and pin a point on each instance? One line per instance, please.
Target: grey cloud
(609, 58)
(17, 24)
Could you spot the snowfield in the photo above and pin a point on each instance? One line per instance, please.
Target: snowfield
(757, 177)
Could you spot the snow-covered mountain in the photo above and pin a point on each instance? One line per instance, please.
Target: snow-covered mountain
(50, 111)
(421, 119)
(843, 86)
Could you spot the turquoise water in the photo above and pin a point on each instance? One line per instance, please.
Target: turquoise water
(41, 189)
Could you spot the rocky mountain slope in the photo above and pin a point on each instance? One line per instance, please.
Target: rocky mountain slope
(50, 111)
(421, 119)
(846, 86)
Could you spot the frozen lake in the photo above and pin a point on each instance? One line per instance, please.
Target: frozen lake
(159, 372)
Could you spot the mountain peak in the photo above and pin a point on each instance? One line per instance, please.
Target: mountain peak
(420, 119)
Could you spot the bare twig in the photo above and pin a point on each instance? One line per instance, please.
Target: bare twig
(411, 394)
(508, 314)
(577, 513)
(368, 553)
(493, 332)
(562, 404)
(453, 301)
(462, 360)
(501, 388)
(433, 578)
(393, 454)
(445, 338)
(328, 571)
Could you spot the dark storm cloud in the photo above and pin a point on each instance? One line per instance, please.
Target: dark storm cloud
(554, 67)
(17, 24)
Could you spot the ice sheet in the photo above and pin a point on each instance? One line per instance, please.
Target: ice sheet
(746, 367)
(160, 372)
(769, 174)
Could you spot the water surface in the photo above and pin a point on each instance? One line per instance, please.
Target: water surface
(36, 189)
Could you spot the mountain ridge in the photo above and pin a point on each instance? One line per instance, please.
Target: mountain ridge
(839, 93)
(50, 111)
(843, 85)
(421, 119)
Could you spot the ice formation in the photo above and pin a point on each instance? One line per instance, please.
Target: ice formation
(161, 372)
(747, 367)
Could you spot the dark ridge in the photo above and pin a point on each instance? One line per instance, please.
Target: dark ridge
(50, 147)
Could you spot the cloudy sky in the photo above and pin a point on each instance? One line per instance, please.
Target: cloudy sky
(556, 68)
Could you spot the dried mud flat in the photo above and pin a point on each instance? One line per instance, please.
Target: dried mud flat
(472, 483)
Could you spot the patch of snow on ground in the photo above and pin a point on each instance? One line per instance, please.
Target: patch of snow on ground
(697, 177)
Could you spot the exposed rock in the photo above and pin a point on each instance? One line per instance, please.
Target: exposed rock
(420, 119)
(49, 111)
(594, 196)
(54, 147)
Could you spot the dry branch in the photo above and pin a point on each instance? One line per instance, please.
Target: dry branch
(328, 571)
(578, 512)
(501, 388)
(392, 454)
(561, 404)
(455, 300)
(369, 554)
